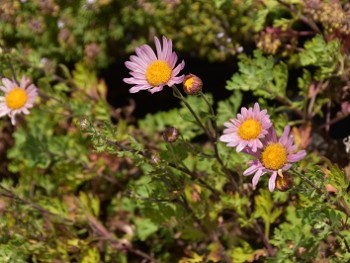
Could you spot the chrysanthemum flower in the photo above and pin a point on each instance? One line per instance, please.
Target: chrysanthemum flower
(276, 156)
(250, 126)
(17, 98)
(152, 71)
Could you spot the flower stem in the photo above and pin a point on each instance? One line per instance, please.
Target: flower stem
(178, 95)
(12, 70)
(340, 204)
(212, 138)
(307, 180)
(213, 119)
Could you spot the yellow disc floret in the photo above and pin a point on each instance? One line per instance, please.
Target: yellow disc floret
(188, 83)
(158, 72)
(274, 156)
(192, 84)
(16, 98)
(249, 129)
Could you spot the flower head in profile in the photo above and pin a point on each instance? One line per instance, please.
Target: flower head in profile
(17, 98)
(275, 157)
(152, 71)
(248, 129)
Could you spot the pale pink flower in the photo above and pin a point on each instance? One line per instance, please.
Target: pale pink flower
(17, 98)
(151, 71)
(248, 129)
(276, 156)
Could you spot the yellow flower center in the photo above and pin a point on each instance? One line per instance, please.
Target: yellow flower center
(158, 72)
(274, 156)
(249, 129)
(16, 98)
(188, 83)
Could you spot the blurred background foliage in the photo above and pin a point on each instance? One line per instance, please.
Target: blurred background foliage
(84, 180)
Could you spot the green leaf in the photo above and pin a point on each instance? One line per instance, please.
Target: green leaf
(182, 119)
(242, 253)
(261, 75)
(227, 109)
(90, 203)
(265, 207)
(325, 56)
(338, 179)
(260, 19)
(145, 228)
(91, 256)
(194, 258)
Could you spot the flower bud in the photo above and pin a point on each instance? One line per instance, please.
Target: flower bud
(170, 134)
(284, 181)
(84, 124)
(155, 159)
(192, 84)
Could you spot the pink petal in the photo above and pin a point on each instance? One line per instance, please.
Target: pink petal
(256, 177)
(272, 181)
(156, 89)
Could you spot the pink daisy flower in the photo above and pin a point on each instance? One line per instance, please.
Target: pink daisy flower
(17, 98)
(276, 156)
(250, 126)
(152, 71)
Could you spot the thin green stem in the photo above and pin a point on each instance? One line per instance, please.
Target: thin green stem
(12, 70)
(267, 230)
(216, 151)
(307, 180)
(213, 118)
(179, 95)
(340, 204)
(212, 138)
(187, 171)
(9, 194)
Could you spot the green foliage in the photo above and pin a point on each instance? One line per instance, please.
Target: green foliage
(265, 209)
(82, 181)
(229, 107)
(179, 118)
(260, 75)
(322, 55)
(242, 253)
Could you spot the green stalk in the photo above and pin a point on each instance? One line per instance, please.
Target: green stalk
(179, 95)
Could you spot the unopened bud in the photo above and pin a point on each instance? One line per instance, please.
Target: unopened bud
(155, 159)
(84, 124)
(170, 134)
(192, 84)
(284, 181)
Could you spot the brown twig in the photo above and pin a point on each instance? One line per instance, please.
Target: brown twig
(7, 193)
(106, 235)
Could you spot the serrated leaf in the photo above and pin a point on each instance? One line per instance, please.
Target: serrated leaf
(324, 55)
(261, 75)
(145, 228)
(194, 258)
(91, 256)
(227, 109)
(265, 207)
(260, 19)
